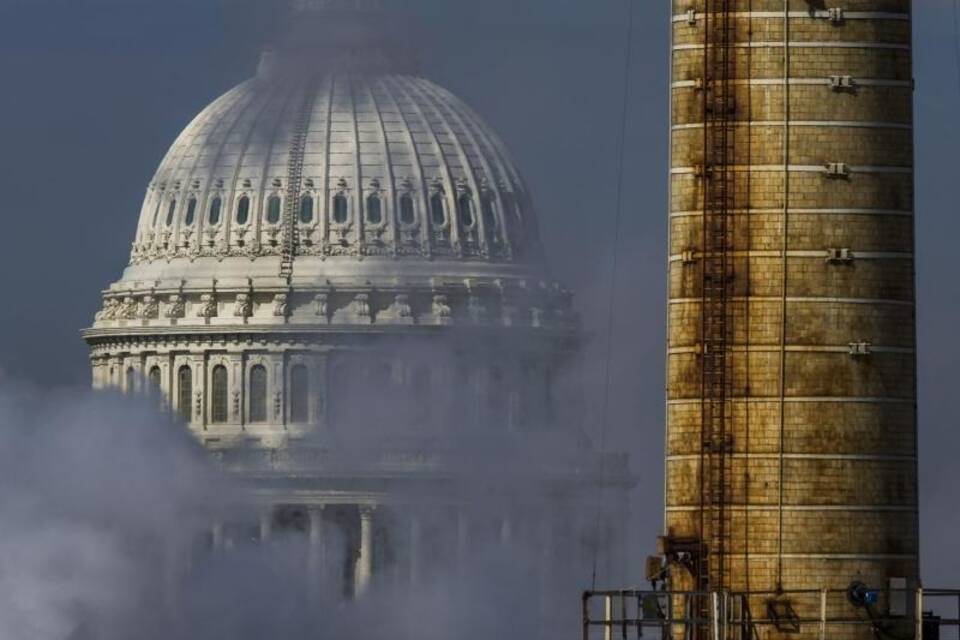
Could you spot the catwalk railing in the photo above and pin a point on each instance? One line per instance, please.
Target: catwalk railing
(885, 614)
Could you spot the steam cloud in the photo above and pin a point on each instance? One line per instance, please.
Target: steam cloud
(99, 491)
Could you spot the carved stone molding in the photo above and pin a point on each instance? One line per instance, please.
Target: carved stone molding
(149, 308)
(321, 303)
(399, 312)
(281, 308)
(176, 307)
(442, 312)
(243, 307)
(208, 306)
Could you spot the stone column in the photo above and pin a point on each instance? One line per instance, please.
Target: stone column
(266, 524)
(463, 537)
(316, 552)
(506, 531)
(216, 532)
(414, 551)
(365, 562)
(545, 562)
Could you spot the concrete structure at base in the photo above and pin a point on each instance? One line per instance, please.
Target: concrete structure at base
(336, 281)
(818, 469)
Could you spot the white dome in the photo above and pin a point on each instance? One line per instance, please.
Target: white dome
(306, 197)
(393, 166)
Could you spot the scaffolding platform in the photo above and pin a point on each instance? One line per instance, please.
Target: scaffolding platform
(828, 614)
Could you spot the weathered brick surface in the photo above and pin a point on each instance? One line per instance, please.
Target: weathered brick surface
(821, 467)
(764, 103)
(680, 7)
(763, 231)
(841, 428)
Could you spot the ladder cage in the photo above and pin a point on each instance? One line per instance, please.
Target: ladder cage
(719, 189)
(824, 614)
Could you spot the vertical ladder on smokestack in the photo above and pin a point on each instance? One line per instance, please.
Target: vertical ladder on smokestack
(291, 208)
(717, 276)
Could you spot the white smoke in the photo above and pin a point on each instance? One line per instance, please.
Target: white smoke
(99, 491)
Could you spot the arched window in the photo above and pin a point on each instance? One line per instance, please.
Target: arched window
(438, 214)
(153, 380)
(490, 224)
(215, 205)
(191, 212)
(422, 395)
(219, 392)
(465, 210)
(299, 394)
(131, 381)
(341, 213)
(258, 394)
(243, 210)
(156, 215)
(185, 392)
(408, 214)
(273, 209)
(172, 211)
(306, 210)
(379, 376)
(495, 402)
(374, 209)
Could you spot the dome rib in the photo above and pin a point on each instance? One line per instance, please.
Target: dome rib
(236, 184)
(391, 184)
(468, 170)
(362, 127)
(443, 166)
(421, 189)
(478, 189)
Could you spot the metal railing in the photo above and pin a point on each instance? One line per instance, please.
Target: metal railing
(826, 614)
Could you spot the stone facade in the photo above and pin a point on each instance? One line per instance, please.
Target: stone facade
(821, 364)
(354, 384)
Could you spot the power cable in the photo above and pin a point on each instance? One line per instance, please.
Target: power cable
(605, 407)
(956, 39)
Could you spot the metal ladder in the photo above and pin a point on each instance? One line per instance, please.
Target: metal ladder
(291, 208)
(717, 276)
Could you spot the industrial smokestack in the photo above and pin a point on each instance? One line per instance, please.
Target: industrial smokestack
(791, 458)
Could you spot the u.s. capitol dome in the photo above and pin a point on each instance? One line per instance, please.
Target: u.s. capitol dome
(334, 202)
(336, 282)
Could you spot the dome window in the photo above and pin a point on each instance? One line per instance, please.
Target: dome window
(156, 214)
(184, 392)
(341, 212)
(219, 394)
(214, 216)
(153, 380)
(258, 394)
(306, 210)
(465, 211)
(243, 210)
(408, 214)
(171, 212)
(191, 212)
(273, 209)
(438, 214)
(299, 394)
(491, 225)
(374, 209)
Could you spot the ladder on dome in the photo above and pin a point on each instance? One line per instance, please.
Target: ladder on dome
(291, 208)
(717, 275)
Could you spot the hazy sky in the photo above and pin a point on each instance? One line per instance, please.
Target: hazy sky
(96, 90)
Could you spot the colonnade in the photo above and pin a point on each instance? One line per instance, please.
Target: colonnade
(358, 543)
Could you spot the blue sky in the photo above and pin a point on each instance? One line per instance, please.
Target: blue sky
(95, 91)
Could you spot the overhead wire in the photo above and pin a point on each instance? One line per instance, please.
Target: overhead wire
(611, 309)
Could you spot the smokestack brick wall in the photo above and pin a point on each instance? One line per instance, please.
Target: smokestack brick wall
(838, 427)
